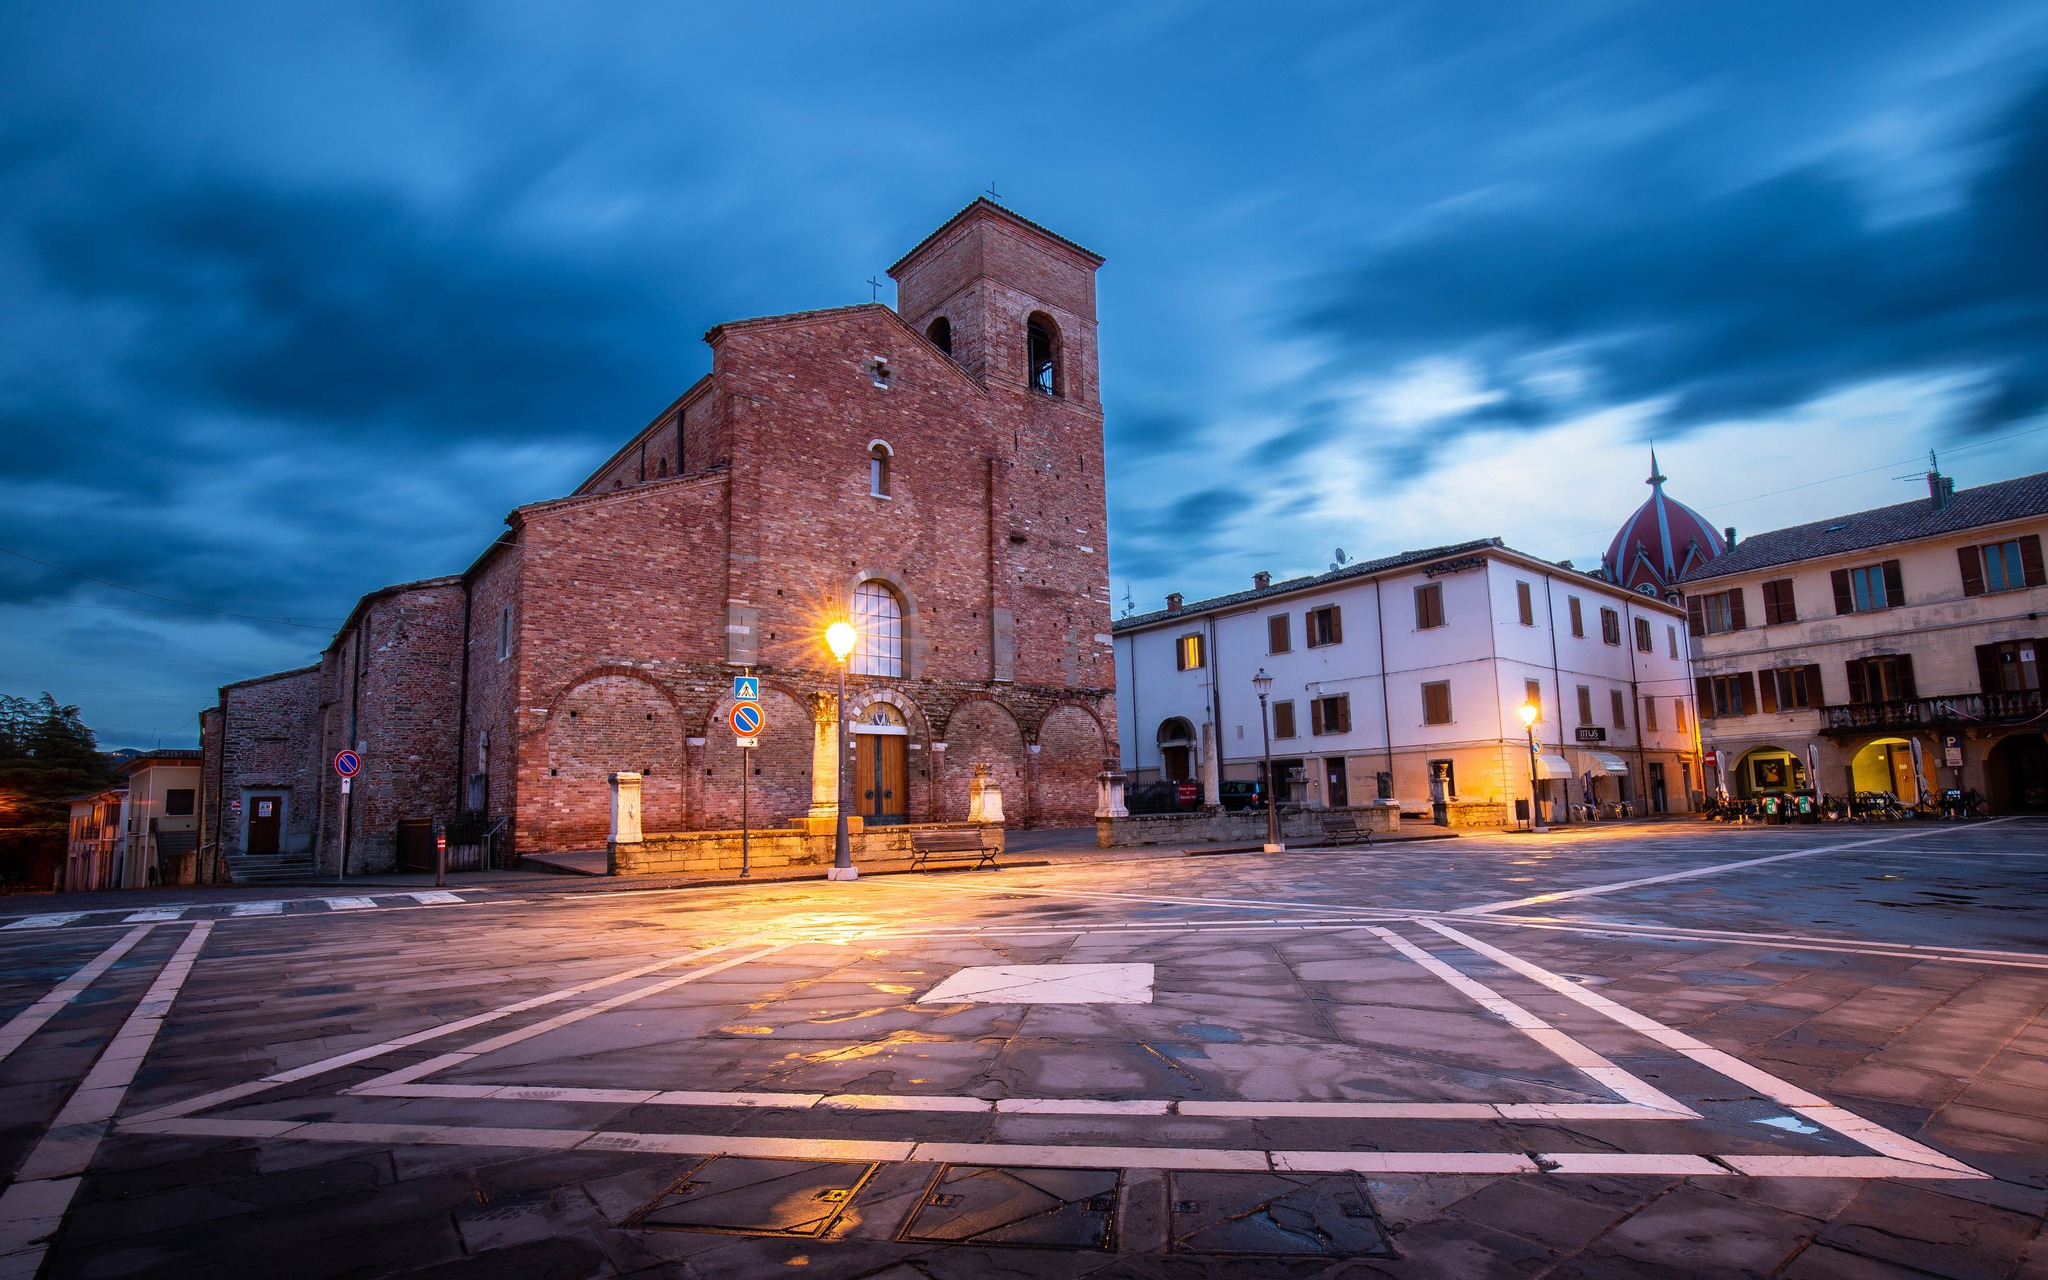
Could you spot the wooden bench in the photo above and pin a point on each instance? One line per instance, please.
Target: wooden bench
(1344, 828)
(950, 846)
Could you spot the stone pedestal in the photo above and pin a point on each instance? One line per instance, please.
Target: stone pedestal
(625, 817)
(1109, 802)
(984, 798)
(824, 757)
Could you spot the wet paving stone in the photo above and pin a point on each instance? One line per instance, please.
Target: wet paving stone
(750, 1196)
(1272, 1214)
(1038, 1208)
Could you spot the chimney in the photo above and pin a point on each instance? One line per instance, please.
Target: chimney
(1940, 489)
(1729, 533)
(1173, 602)
(1261, 580)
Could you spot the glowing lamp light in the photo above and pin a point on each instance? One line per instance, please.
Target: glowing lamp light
(841, 637)
(1529, 713)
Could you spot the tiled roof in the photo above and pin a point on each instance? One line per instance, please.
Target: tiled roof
(1363, 569)
(1968, 509)
(985, 204)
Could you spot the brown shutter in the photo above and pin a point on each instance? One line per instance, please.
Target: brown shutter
(1315, 716)
(1894, 585)
(1972, 563)
(1336, 625)
(1845, 601)
(1770, 603)
(1859, 689)
(1814, 696)
(1987, 668)
(1907, 689)
(1344, 713)
(1736, 620)
(2030, 557)
(1748, 693)
(1703, 696)
(1276, 633)
(1283, 719)
(1768, 687)
(1695, 616)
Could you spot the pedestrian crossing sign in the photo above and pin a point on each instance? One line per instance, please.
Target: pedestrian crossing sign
(746, 688)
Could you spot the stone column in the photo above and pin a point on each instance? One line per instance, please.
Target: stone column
(1109, 802)
(1033, 801)
(625, 818)
(693, 784)
(1210, 771)
(824, 757)
(938, 780)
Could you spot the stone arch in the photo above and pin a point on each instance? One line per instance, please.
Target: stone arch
(924, 764)
(982, 731)
(613, 720)
(1070, 742)
(779, 784)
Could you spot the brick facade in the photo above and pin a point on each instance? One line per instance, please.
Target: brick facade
(601, 632)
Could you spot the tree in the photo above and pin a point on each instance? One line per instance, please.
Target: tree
(47, 755)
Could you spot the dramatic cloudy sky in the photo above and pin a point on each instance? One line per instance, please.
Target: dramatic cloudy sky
(297, 300)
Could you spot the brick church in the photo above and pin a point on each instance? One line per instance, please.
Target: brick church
(933, 474)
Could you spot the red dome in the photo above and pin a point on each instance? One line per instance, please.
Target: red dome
(1661, 541)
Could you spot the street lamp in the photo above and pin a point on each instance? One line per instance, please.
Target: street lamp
(1529, 713)
(840, 638)
(1264, 684)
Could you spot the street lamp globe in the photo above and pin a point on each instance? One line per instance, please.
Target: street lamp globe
(840, 637)
(1262, 682)
(1529, 713)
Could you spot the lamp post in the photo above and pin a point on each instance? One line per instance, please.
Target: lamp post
(1529, 714)
(1264, 684)
(840, 637)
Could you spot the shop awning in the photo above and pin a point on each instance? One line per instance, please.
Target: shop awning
(1553, 766)
(1607, 762)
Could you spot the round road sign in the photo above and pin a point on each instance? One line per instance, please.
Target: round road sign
(346, 763)
(746, 718)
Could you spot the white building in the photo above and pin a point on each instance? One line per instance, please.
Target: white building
(1403, 678)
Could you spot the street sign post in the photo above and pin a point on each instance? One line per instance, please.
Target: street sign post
(746, 719)
(746, 727)
(346, 763)
(746, 688)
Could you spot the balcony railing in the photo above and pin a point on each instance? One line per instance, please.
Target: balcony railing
(1955, 709)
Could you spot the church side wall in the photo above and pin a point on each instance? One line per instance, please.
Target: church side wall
(489, 726)
(268, 743)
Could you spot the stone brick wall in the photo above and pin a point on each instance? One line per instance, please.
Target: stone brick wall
(718, 852)
(267, 729)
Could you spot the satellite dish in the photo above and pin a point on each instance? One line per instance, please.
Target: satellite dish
(1341, 557)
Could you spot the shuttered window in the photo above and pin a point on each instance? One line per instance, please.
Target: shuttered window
(1280, 633)
(1727, 695)
(1429, 606)
(1868, 588)
(1525, 603)
(1187, 651)
(1778, 606)
(1330, 715)
(1643, 641)
(1790, 688)
(1578, 615)
(1610, 626)
(2011, 667)
(2002, 566)
(1650, 714)
(1283, 719)
(1436, 702)
(1585, 705)
(1618, 704)
(1886, 678)
(1710, 615)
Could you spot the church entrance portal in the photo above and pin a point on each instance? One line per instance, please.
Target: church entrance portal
(881, 766)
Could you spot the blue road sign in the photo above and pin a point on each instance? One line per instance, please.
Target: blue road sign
(346, 763)
(746, 688)
(746, 719)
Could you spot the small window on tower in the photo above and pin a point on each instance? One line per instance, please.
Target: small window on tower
(940, 331)
(878, 469)
(1042, 354)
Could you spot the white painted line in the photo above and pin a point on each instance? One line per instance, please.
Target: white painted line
(1623, 1084)
(699, 1098)
(257, 909)
(1619, 885)
(231, 1093)
(50, 921)
(1817, 1109)
(30, 1020)
(1793, 942)
(1836, 1167)
(1082, 1107)
(1403, 1162)
(156, 915)
(1619, 1162)
(1341, 1110)
(33, 1206)
(348, 904)
(903, 1102)
(1055, 1157)
(434, 896)
(1164, 900)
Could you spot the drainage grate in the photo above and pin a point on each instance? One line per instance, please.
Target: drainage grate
(755, 1197)
(1272, 1214)
(1041, 1208)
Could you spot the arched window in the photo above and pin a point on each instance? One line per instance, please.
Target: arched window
(878, 468)
(940, 331)
(1042, 354)
(878, 617)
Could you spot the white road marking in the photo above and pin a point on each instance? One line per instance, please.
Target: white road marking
(257, 909)
(1615, 1080)
(434, 896)
(1814, 1108)
(33, 1206)
(324, 1065)
(50, 921)
(1619, 885)
(348, 904)
(1792, 942)
(156, 915)
(30, 1020)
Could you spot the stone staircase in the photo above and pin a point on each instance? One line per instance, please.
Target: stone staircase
(271, 868)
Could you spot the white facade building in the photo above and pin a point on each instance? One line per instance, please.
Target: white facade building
(1403, 678)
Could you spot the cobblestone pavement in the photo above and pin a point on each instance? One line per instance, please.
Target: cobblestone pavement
(1680, 1050)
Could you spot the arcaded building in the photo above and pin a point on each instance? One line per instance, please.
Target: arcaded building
(933, 473)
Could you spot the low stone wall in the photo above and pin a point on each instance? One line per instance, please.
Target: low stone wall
(769, 849)
(1244, 825)
(1479, 813)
